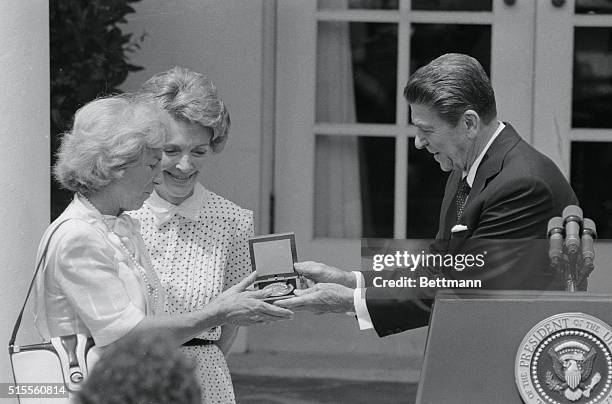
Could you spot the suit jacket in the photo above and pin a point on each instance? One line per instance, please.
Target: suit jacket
(515, 192)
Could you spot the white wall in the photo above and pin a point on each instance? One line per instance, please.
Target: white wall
(24, 152)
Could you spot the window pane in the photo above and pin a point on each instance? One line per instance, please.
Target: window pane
(428, 41)
(453, 5)
(354, 186)
(592, 86)
(591, 166)
(357, 4)
(426, 182)
(593, 6)
(356, 72)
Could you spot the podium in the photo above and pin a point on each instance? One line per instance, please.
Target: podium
(480, 343)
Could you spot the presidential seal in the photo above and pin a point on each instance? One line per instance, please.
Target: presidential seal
(566, 359)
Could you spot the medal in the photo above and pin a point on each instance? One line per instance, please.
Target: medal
(278, 289)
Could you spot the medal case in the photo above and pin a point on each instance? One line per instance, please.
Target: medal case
(273, 256)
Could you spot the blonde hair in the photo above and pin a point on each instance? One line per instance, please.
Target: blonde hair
(191, 96)
(108, 135)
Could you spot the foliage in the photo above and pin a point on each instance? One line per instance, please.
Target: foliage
(88, 59)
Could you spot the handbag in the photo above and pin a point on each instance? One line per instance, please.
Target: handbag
(50, 365)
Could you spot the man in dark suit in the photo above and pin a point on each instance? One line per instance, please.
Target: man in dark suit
(499, 196)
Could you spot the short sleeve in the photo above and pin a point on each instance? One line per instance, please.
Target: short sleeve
(239, 260)
(86, 271)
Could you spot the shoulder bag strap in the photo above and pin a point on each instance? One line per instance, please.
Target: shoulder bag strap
(38, 266)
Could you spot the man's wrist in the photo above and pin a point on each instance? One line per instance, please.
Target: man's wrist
(347, 300)
(349, 280)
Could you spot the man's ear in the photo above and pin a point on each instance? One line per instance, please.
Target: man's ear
(471, 122)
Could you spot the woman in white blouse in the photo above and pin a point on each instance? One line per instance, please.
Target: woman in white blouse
(197, 239)
(97, 278)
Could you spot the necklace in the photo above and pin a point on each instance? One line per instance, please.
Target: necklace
(151, 289)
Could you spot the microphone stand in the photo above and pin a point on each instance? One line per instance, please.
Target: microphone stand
(571, 272)
(587, 258)
(574, 264)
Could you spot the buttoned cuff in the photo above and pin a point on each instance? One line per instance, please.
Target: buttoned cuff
(359, 301)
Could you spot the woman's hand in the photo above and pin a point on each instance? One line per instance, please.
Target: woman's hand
(239, 306)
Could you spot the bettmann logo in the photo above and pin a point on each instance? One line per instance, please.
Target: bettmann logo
(566, 358)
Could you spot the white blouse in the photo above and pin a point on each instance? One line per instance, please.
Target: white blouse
(96, 279)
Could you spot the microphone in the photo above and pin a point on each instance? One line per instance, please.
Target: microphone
(589, 233)
(572, 217)
(555, 235)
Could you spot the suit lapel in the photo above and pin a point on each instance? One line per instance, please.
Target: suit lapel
(489, 167)
(493, 160)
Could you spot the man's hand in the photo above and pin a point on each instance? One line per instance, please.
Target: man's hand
(239, 306)
(321, 273)
(321, 298)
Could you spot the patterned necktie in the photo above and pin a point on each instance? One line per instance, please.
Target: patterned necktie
(463, 190)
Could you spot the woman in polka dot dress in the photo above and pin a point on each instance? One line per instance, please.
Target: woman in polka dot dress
(197, 240)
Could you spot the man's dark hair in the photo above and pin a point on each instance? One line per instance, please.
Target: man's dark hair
(452, 84)
(143, 368)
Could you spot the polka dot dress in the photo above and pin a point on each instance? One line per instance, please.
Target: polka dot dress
(195, 261)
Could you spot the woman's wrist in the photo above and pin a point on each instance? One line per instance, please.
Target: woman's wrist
(212, 315)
